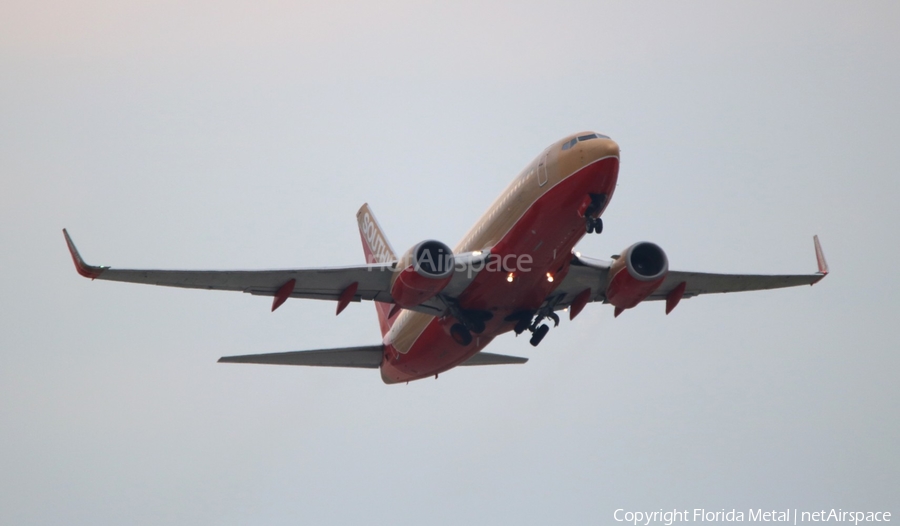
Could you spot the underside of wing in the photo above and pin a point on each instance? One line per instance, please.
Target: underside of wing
(341, 284)
(353, 283)
(697, 283)
(486, 358)
(592, 275)
(367, 357)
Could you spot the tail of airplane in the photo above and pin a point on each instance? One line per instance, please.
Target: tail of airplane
(377, 250)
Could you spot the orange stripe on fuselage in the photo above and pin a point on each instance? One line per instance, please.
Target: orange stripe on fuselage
(540, 221)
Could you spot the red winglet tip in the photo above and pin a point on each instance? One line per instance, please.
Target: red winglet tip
(81, 267)
(820, 258)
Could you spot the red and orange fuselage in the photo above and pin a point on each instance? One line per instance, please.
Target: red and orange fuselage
(538, 219)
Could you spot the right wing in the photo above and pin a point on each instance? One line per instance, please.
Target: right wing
(705, 283)
(588, 273)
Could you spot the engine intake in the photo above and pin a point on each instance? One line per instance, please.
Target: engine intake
(432, 259)
(422, 272)
(646, 261)
(639, 270)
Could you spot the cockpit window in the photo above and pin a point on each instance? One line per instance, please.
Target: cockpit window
(581, 138)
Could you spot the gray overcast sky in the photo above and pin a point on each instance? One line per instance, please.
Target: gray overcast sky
(182, 134)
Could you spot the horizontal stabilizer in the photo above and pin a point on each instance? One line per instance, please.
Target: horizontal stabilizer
(368, 357)
(487, 358)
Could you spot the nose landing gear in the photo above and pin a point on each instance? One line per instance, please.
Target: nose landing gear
(593, 225)
(593, 204)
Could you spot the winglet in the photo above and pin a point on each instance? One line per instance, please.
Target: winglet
(820, 260)
(83, 268)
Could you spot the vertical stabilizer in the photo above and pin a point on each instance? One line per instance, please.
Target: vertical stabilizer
(375, 244)
(377, 250)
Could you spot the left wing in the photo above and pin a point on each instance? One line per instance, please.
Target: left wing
(341, 284)
(372, 281)
(588, 273)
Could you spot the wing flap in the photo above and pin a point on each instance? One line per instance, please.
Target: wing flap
(366, 357)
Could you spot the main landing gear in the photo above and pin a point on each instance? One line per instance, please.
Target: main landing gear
(530, 321)
(538, 334)
(468, 321)
(461, 334)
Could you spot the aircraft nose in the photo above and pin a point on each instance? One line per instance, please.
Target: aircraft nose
(588, 147)
(584, 149)
(603, 147)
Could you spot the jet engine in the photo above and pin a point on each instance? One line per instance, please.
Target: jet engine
(422, 272)
(635, 274)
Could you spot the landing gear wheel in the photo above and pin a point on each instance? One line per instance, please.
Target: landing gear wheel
(589, 225)
(461, 334)
(593, 225)
(539, 334)
(598, 225)
(474, 320)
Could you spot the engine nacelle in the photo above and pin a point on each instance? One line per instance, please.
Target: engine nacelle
(422, 272)
(639, 270)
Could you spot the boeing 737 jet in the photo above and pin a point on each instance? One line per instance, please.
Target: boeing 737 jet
(514, 271)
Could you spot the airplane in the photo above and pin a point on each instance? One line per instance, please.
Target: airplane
(515, 270)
